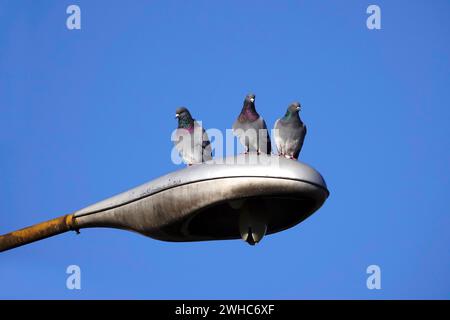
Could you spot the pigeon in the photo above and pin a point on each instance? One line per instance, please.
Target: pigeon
(190, 139)
(251, 128)
(290, 132)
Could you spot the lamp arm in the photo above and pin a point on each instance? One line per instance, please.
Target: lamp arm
(38, 231)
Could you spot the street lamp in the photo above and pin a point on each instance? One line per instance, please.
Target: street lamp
(245, 196)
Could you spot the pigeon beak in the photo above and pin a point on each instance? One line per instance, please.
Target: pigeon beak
(298, 108)
(177, 115)
(252, 99)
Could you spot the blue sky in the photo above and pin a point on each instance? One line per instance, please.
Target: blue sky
(88, 113)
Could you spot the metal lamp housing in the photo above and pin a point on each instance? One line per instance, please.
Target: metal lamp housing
(246, 196)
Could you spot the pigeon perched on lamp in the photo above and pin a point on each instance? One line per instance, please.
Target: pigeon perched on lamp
(251, 128)
(290, 132)
(190, 139)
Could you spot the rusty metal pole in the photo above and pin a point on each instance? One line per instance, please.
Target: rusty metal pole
(38, 232)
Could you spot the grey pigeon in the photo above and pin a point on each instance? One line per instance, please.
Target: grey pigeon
(251, 128)
(190, 139)
(290, 132)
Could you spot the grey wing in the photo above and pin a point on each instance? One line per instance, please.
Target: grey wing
(265, 145)
(238, 126)
(182, 143)
(239, 131)
(259, 123)
(277, 136)
(202, 148)
(300, 140)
